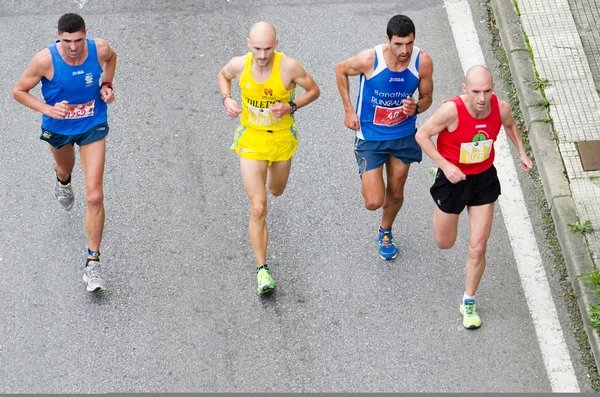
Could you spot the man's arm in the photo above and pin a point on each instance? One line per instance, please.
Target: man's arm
(445, 117)
(512, 131)
(302, 78)
(40, 66)
(107, 57)
(361, 63)
(232, 70)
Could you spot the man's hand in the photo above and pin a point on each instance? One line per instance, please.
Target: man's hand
(409, 106)
(453, 173)
(107, 94)
(526, 163)
(232, 107)
(59, 111)
(351, 121)
(280, 109)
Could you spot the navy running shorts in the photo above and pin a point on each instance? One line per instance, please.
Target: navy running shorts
(57, 141)
(373, 154)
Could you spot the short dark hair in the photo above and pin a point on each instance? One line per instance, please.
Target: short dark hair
(401, 26)
(71, 23)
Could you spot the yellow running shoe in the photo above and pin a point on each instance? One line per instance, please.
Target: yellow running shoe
(471, 319)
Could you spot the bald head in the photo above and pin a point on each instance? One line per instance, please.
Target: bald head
(478, 74)
(262, 31)
(262, 42)
(478, 88)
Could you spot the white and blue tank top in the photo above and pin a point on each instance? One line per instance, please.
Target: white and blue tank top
(379, 105)
(80, 87)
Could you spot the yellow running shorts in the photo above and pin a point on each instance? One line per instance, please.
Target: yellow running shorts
(262, 145)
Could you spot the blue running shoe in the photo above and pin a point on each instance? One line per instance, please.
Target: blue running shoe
(387, 248)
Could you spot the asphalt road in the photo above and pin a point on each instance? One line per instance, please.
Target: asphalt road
(181, 313)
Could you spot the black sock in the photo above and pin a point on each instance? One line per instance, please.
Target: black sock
(66, 182)
(91, 260)
(262, 267)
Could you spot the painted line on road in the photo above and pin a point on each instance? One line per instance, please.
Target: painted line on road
(518, 225)
(80, 3)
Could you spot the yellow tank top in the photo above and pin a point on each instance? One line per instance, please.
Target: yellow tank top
(256, 98)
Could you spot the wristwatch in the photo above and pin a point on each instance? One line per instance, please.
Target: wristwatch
(293, 107)
(418, 109)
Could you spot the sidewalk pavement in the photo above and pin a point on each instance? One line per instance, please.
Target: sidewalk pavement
(551, 28)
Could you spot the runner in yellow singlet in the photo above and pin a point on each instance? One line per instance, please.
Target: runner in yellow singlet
(267, 137)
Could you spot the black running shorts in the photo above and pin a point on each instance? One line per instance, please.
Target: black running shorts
(477, 189)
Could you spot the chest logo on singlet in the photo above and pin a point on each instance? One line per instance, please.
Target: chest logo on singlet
(89, 79)
(268, 91)
(477, 150)
(81, 111)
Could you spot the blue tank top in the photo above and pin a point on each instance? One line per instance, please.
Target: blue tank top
(379, 104)
(80, 87)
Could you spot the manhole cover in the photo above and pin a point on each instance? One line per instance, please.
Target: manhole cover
(589, 152)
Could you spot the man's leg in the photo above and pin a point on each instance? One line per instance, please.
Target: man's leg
(277, 176)
(64, 161)
(254, 176)
(480, 222)
(92, 161)
(445, 228)
(397, 172)
(373, 188)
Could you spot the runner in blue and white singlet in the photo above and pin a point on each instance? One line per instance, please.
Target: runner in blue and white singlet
(76, 74)
(384, 118)
(380, 99)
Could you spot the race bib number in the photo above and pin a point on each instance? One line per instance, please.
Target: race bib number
(475, 152)
(388, 116)
(261, 116)
(81, 111)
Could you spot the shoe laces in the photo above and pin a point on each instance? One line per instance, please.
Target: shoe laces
(64, 191)
(469, 308)
(93, 270)
(386, 239)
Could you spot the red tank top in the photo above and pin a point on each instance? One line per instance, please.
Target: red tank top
(471, 146)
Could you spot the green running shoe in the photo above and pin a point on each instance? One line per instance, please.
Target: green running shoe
(266, 283)
(433, 173)
(471, 319)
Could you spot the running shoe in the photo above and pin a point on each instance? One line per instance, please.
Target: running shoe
(91, 276)
(266, 283)
(387, 248)
(471, 319)
(65, 195)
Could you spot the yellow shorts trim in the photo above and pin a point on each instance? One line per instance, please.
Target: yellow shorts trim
(266, 146)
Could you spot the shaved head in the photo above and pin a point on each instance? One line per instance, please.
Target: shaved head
(262, 41)
(478, 88)
(262, 31)
(478, 74)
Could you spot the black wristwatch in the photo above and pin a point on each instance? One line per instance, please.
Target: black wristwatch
(418, 109)
(293, 107)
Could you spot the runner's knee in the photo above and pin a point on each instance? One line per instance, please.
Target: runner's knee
(277, 191)
(373, 203)
(445, 242)
(258, 209)
(477, 251)
(94, 197)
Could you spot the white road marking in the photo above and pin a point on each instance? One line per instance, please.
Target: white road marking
(522, 239)
(80, 3)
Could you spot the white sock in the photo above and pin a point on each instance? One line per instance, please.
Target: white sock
(465, 296)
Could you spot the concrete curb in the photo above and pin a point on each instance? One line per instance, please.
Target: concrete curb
(549, 163)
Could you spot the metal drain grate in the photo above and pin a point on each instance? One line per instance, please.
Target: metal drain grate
(589, 152)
